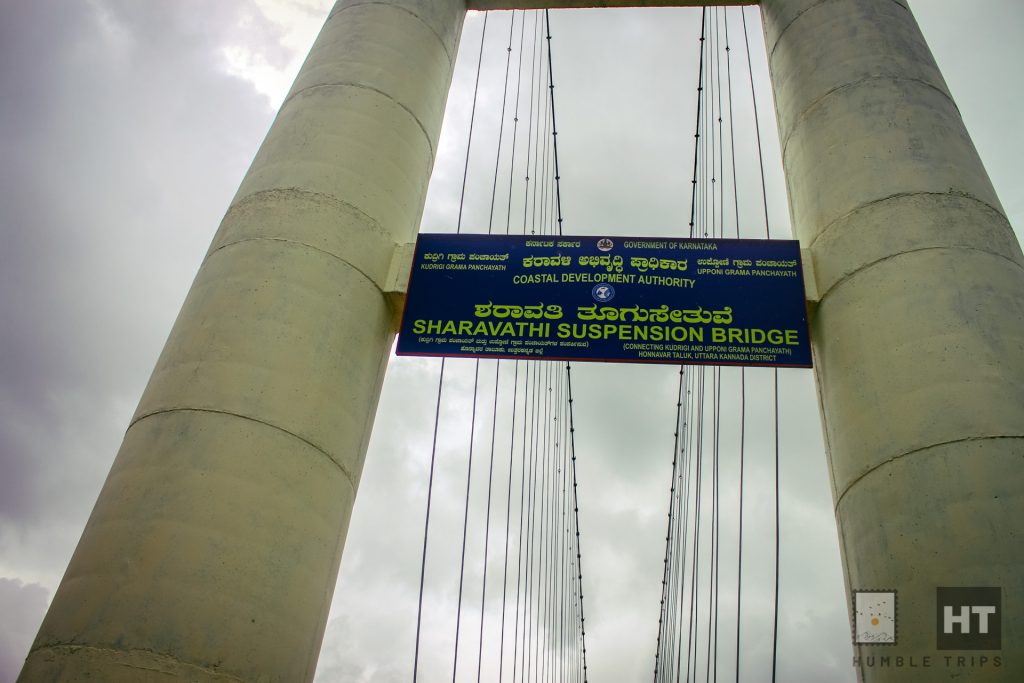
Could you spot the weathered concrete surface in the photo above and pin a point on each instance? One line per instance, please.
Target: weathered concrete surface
(919, 335)
(213, 550)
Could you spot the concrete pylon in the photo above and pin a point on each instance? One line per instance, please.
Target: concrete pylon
(213, 550)
(918, 338)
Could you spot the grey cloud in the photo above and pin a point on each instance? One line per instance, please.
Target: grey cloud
(22, 606)
(123, 139)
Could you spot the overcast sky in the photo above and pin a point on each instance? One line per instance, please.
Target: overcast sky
(125, 128)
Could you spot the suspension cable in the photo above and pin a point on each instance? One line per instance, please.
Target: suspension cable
(440, 384)
(548, 595)
(568, 366)
(551, 645)
(775, 374)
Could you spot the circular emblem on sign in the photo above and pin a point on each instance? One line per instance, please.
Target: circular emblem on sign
(605, 244)
(603, 292)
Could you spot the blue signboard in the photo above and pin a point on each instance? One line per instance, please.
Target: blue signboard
(655, 300)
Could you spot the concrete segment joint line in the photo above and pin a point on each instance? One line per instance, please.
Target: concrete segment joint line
(402, 9)
(901, 195)
(852, 84)
(370, 88)
(839, 499)
(148, 653)
(348, 475)
(313, 196)
(822, 295)
(835, 285)
(354, 267)
(778, 38)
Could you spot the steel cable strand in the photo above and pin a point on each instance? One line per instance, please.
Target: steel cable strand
(775, 374)
(669, 526)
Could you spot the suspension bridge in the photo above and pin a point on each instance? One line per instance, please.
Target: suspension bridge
(886, 195)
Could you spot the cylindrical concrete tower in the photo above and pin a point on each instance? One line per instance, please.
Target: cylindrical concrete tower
(919, 335)
(213, 550)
